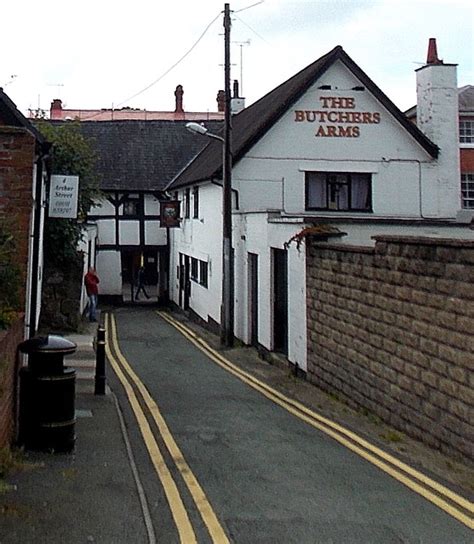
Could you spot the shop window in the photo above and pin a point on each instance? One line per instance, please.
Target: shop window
(467, 190)
(334, 191)
(194, 269)
(203, 273)
(196, 202)
(466, 131)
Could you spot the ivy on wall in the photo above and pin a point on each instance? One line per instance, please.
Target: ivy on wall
(9, 275)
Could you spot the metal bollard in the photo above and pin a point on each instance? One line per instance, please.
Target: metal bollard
(100, 362)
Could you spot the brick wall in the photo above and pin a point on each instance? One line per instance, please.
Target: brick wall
(17, 153)
(9, 341)
(391, 329)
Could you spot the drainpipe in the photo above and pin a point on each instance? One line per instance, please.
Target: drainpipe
(33, 303)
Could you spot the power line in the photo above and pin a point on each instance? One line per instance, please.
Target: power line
(174, 65)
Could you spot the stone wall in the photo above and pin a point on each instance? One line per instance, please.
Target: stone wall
(9, 341)
(391, 329)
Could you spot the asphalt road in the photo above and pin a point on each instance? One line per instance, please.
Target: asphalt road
(268, 476)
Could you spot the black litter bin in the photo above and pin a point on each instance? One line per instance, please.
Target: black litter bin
(47, 395)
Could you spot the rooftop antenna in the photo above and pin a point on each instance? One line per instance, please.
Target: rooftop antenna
(241, 45)
(58, 85)
(12, 78)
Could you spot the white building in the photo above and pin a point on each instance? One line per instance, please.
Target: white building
(135, 162)
(325, 149)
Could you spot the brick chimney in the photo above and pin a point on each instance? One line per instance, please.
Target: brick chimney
(437, 116)
(56, 111)
(179, 99)
(221, 101)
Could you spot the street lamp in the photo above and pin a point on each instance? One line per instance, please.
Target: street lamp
(227, 304)
(197, 128)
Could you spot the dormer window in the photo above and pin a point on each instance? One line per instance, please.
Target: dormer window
(338, 191)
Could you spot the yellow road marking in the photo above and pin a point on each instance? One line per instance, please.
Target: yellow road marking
(338, 432)
(202, 504)
(180, 516)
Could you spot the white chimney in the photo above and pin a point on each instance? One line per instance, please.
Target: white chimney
(437, 117)
(237, 103)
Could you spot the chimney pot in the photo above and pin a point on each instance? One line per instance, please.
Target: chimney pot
(432, 56)
(221, 101)
(178, 93)
(236, 89)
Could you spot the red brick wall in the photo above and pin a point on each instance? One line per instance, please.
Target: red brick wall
(467, 161)
(9, 341)
(17, 154)
(391, 330)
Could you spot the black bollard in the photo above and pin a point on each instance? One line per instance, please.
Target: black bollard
(100, 362)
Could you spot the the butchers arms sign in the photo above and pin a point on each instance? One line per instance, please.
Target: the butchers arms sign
(337, 118)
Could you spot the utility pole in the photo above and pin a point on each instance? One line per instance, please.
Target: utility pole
(227, 308)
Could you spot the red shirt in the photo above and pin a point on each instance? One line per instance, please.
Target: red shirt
(91, 280)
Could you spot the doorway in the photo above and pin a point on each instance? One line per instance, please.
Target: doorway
(253, 298)
(280, 300)
(184, 281)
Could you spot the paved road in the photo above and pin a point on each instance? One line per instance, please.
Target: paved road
(266, 475)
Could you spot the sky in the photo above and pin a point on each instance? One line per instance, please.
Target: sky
(96, 54)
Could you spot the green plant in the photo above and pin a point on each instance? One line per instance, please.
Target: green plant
(391, 436)
(9, 275)
(71, 154)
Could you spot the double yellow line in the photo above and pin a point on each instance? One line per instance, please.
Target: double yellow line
(453, 504)
(131, 382)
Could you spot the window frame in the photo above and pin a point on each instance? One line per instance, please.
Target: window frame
(204, 274)
(187, 203)
(137, 204)
(196, 202)
(194, 269)
(466, 131)
(329, 189)
(467, 190)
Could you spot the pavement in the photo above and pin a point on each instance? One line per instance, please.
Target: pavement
(95, 495)
(89, 495)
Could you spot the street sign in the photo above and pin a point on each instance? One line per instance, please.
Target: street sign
(63, 196)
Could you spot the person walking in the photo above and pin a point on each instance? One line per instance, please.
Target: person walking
(141, 283)
(91, 281)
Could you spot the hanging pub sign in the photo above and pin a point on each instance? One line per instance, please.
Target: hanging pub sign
(63, 196)
(169, 213)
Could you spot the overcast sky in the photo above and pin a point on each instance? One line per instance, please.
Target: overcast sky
(96, 53)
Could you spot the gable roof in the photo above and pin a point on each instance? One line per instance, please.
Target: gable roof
(11, 116)
(141, 155)
(252, 123)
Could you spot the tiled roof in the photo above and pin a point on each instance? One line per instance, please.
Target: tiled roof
(141, 155)
(128, 114)
(253, 122)
(466, 101)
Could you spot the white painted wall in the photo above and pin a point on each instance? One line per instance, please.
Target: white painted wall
(109, 269)
(154, 234)
(106, 231)
(152, 205)
(202, 239)
(271, 176)
(129, 233)
(103, 207)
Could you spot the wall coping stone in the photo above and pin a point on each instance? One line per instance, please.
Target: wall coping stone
(424, 241)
